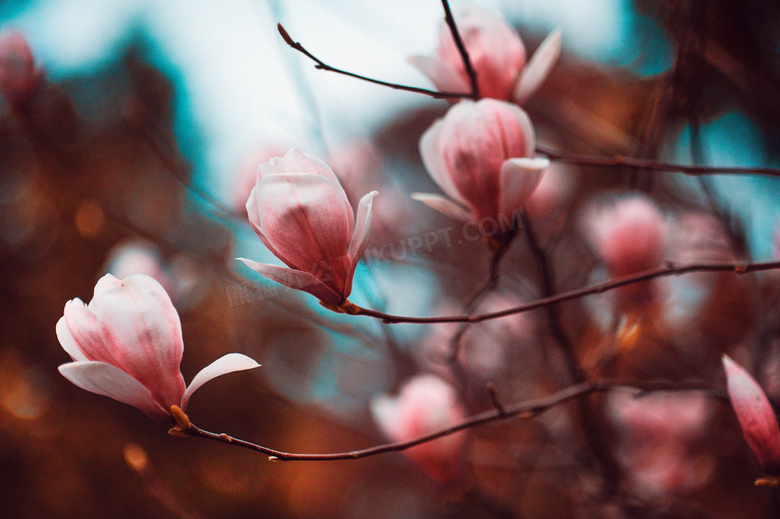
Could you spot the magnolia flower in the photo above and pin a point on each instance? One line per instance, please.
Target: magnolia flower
(496, 53)
(755, 414)
(19, 76)
(630, 235)
(302, 214)
(426, 404)
(127, 344)
(480, 155)
(659, 438)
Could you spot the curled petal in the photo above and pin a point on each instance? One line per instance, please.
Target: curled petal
(446, 78)
(519, 178)
(228, 364)
(296, 279)
(141, 329)
(444, 205)
(755, 414)
(359, 241)
(107, 380)
(538, 68)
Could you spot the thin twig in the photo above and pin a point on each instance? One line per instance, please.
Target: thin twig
(524, 410)
(583, 159)
(323, 66)
(669, 270)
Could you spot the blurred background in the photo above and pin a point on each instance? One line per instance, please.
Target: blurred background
(136, 153)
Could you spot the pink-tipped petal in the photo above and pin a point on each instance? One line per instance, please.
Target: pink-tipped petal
(433, 159)
(538, 68)
(446, 78)
(444, 206)
(519, 178)
(755, 414)
(296, 279)
(359, 241)
(140, 327)
(230, 363)
(107, 380)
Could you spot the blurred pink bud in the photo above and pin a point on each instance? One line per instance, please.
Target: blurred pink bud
(19, 77)
(755, 414)
(659, 439)
(425, 404)
(630, 235)
(496, 53)
(480, 155)
(302, 214)
(357, 165)
(127, 344)
(135, 256)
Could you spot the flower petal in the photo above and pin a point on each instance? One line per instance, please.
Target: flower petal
(107, 380)
(295, 161)
(433, 159)
(81, 326)
(253, 213)
(141, 329)
(296, 279)
(519, 178)
(104, 284)
(67, 341)
(359, 241)
(538, 67)
(446, 78)
(443, 205)
(222, 366)
(306, 219)
(755, 414)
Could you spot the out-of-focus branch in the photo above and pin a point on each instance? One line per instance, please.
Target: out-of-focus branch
(582, 159)
(593, 433)
(669, 270)
(323, 66)
(524, 410)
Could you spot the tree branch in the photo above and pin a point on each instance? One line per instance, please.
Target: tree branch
(582, 159)
(524, 410)
(464, 54)
(670, 270)
(323, 66)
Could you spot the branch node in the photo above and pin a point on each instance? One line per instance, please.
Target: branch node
(493, 394)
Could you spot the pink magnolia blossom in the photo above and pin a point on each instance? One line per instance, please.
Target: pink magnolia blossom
(630, 235)
(755, 414)
(496, 53)
(127, 344)
(19, 76)
(302, 214)
(659, 438)
(425, 404)
(481, 155)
